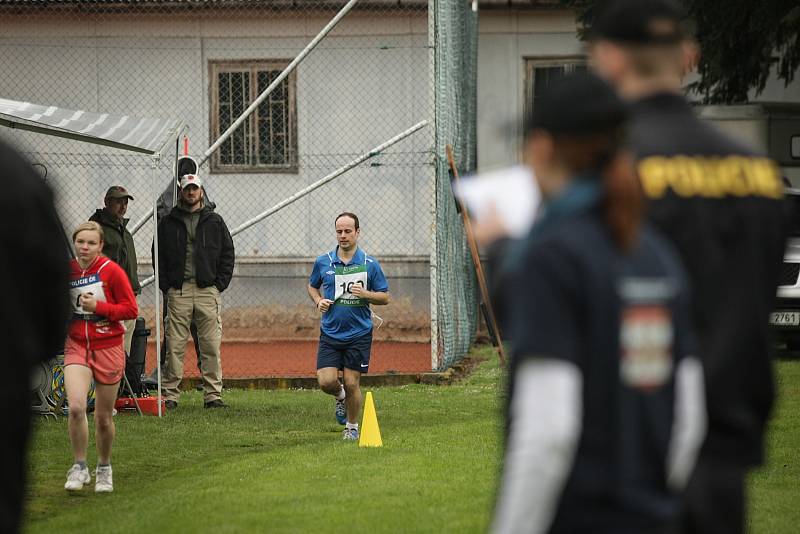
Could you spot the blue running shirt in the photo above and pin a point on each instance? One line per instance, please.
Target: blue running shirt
(349, 317)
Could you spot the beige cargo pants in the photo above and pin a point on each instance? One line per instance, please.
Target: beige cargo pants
(204, 304)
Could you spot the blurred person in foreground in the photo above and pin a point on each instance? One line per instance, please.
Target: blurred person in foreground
(34, 321)
(722, 206)
(102, 298)
(605, 406)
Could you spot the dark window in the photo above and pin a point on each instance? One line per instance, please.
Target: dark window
(541, 73)
(267, 141)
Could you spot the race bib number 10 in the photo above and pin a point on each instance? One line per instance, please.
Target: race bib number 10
(89, 284)
(346, 277)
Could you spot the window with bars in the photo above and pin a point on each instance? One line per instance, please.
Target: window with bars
(267, 141)
(541, 73)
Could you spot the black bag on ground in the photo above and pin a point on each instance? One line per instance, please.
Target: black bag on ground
(134, 364)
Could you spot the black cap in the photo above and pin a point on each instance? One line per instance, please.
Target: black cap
(578, 104)
(186, 165)
(640, 22)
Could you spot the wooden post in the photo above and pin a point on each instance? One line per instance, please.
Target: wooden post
(476, 260)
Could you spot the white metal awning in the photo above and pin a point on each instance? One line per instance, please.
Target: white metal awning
(148, 136)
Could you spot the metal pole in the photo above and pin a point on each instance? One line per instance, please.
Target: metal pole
(288, 70)
(158, 314)
(130, 390)
(322, 181)
(319, 183)
(143, 220)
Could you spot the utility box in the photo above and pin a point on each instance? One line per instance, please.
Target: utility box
(771, 127)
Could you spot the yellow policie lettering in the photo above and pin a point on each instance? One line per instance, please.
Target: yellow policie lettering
(652, 173)
(710, 177)
(768, 177)
(730, 169)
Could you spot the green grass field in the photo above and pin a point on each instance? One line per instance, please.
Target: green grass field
(274, 462)
(774, 489)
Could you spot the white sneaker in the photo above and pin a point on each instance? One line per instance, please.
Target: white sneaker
(103, 482)
(77, 477)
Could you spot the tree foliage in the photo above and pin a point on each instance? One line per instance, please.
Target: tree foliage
(741, 43)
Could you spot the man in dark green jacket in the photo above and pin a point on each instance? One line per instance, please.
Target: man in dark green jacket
(118, 242)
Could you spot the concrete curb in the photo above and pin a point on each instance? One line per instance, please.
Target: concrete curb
(443, 378)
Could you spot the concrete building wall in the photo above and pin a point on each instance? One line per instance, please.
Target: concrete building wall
(507, 38)
(366, 82)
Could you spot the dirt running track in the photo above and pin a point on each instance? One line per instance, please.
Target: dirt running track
(298, 358)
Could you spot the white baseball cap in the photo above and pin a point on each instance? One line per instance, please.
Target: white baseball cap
(191, 179)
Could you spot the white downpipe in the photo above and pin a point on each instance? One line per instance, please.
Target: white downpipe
(433, 270)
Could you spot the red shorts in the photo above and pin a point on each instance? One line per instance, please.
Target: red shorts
(107, 365)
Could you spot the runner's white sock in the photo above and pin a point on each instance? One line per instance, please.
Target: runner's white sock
(341, 394)
(351, 425)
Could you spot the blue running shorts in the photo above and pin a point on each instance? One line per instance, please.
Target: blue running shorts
(353, 354)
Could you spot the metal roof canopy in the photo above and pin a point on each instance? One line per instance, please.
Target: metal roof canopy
(146, 136)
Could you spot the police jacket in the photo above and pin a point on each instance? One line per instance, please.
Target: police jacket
(118, 244)
(601, 340)
(212, 250)
(722, 207)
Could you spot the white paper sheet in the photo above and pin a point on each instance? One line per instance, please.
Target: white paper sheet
(512, 192)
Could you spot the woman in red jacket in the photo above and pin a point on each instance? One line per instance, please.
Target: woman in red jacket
(101, 299)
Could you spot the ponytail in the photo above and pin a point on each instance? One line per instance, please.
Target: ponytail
(623, 202)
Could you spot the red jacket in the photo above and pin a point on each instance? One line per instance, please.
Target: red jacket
(115, 302)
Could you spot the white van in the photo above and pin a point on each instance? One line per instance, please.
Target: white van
(774, 128)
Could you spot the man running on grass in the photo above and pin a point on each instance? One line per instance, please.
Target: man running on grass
(350, 281)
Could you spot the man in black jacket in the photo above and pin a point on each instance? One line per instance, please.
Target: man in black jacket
(196, 258)
(118, 242)
(33, 323)
(721, 205)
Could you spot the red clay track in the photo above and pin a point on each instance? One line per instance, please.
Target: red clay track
(298, 358)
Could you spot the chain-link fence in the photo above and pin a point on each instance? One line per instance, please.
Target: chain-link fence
(386, 66)
(455, 316)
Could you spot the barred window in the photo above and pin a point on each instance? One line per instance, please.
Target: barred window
(267, 141)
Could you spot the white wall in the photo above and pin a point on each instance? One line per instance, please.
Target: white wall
(367, 81)
(506, 39)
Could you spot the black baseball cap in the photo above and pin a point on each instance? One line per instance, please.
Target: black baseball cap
(640, 22)
(578, 104)
(186, 165)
